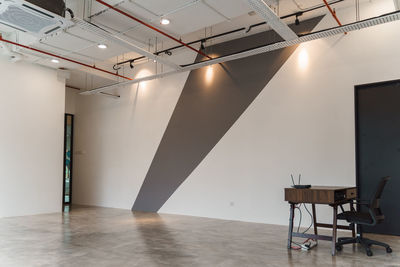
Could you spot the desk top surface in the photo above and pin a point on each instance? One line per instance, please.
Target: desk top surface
(321, 187)
(321, 194)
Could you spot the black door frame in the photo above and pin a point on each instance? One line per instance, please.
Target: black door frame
(71, 157)
(357, 88)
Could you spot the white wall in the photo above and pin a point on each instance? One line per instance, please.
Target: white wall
(31, 139)
(302, 122)
(71, 96)
(116, 139)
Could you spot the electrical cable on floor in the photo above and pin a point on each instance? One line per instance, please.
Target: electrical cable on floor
(301, 245)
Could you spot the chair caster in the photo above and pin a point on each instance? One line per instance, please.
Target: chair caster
(389, 250)
(339, 247)
(369, 253)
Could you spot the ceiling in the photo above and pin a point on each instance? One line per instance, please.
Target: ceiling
(189, 20)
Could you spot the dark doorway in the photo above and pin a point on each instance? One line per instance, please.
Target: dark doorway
(378, 148)
(68, 154)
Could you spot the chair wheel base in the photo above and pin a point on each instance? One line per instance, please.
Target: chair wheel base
(389, 250)
(339, 247)
(369, 253)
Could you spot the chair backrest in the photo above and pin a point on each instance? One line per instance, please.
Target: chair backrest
(375, 201)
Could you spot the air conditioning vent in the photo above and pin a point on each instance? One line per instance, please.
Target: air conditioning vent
(26, 17)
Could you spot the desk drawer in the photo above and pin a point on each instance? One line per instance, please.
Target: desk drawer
(351, 193)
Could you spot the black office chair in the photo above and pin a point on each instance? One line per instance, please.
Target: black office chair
(371, 218)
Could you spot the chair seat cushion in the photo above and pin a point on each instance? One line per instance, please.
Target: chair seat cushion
(355, 217)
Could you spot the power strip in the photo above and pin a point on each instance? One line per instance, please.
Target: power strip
(309, 245)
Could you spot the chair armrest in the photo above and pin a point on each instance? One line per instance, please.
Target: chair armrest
(358, 201)
(362, 202)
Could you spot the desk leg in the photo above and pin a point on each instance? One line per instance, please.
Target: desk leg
(291, 221)
(314, 214)
(334, 230)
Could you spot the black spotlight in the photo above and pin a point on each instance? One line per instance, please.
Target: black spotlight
(202, 47)
(131, 64)
(169, 53)
(297, 21)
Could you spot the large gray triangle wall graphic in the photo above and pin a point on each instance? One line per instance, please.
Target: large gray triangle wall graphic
(210, 103)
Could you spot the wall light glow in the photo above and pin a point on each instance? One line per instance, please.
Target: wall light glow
(209, 74)
(141, 74)
(303, 59)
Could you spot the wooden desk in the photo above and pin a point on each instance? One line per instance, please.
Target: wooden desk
(333, 196)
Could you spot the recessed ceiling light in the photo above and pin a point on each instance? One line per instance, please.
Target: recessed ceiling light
(55, 61)
(102, 46)
(165, 21)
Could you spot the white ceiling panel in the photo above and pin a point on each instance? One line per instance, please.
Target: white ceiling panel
(68, 41)
(112, 50)
(230, 9)
(161, 7)
(192, 19)
(143, 34)
(138, 10)
(85, 34)
(97, 7)
(115, 21)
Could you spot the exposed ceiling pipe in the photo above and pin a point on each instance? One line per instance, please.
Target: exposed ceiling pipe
(105, 10)
(272, 19)
(184, 6)
(333, 13)
(227, 33)
(63, 58)
(12, 56)
(64, 52)
(386, 18)
(151, 27)
(120, 41)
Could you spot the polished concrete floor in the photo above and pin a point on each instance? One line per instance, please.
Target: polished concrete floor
(89, 236)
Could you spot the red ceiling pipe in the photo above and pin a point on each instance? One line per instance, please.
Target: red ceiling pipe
(63, 58)
(151, 27)
(333, 13)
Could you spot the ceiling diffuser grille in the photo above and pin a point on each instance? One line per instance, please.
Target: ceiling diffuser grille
(26, 17)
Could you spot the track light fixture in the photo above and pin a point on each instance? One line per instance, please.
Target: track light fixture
(169, 53)
(297, 21)
(131, 64)
(202, 46)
